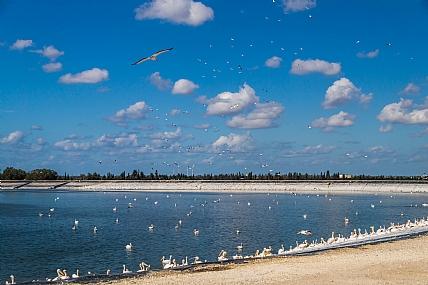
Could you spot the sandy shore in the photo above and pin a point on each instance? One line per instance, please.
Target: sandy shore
(399, 262)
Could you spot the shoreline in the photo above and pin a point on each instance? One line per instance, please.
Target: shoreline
(398, 262)
(327, 187)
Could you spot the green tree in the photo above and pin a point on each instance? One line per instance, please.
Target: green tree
(11, 173)
(42, 174)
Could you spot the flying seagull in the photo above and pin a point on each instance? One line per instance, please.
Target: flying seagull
(152, 57)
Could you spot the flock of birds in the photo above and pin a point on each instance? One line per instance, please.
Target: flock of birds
(332, 242)
(356, 235)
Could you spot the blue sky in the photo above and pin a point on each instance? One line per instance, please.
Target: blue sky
(259, 86)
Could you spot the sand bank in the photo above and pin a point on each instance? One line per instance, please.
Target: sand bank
(398, 262)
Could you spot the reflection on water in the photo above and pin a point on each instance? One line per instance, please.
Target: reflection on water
(33, 246)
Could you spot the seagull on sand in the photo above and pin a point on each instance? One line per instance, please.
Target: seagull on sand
(152, 57)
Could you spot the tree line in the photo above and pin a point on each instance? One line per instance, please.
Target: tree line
(11, 173)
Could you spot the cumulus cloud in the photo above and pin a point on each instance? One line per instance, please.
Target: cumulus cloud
(167, 136)
(184, 86)
(228, 103)
(388, 128)
(94, 75)
(310, 150)
(410, 89)
(302, 67)
(404, 112)
(49, 52)
(161, 84)
(21, 44)
(35, 128)
(126, 140)
(52, 67)
(234, 142)
(273, 62)
(261, 118)
(186, 12)
(135, 111)
(298, 5)
(370, 54)
(342, 119)
(12, 138)
(120, 141)
(341, 92)
(69, 145)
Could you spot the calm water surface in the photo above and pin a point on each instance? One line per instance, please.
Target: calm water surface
(33, 247)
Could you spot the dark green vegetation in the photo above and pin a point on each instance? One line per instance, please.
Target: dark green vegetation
(11, 173)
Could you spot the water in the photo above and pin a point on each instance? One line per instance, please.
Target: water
(33, 247)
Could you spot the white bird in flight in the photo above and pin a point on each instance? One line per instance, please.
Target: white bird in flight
(152, 57)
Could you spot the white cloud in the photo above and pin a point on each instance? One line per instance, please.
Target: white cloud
(79, 137)
(184, 86)
(36, 128)
(261, 118)
(12, 138)
(301, 67)
(52, 67)
(161, 84)
(410, 89)
(228, 103)
(21, 44)
(69, 145)
(94, 75)
(126, 140)
(342, 119)
(423, 132)
(379, 150)
(49, 52)
(186, 12)
(234, 142)
(341, 92)
(298, 5)
(167, 136)
(310, 150)
(175, 112)
(370, 54)
(135, 111)
(388, 128)
(120, 141)
(402, 113)
(202, 126)
(273, 62)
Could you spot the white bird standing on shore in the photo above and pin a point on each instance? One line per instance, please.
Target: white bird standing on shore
(125, 270)
(75, 275)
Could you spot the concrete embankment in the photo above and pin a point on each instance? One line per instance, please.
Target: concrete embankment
(228, 186)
